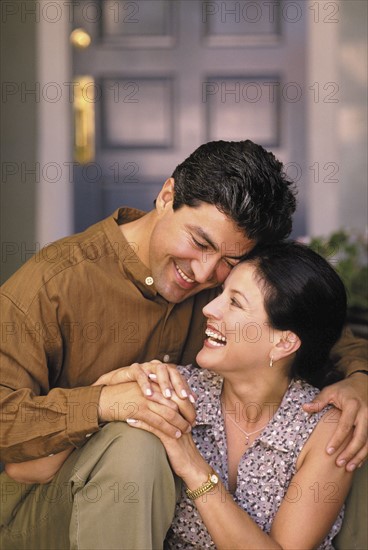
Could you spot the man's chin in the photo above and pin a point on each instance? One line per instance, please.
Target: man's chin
(176, 295)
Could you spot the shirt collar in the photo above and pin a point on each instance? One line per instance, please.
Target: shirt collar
(129, 262)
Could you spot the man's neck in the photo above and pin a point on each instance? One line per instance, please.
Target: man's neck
(139, 232)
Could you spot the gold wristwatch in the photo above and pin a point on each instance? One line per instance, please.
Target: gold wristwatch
(211, 482)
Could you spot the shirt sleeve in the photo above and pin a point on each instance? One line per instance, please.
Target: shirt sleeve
(36, 418)
(350, 353)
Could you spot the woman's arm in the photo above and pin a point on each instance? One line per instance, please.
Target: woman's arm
(314, 499)
(39, 470)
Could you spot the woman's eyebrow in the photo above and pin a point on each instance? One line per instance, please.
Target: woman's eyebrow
(234, 291)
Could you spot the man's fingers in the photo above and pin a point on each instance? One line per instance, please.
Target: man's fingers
(344, 431)
(315, 406)
(356, 459)
(357, 450)
(321, 401)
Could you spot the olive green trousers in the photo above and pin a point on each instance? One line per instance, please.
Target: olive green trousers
(117, 492)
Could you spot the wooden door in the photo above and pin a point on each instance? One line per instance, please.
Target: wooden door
(169, 75)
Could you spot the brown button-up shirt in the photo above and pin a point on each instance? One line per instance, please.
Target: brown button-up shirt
(81, 307)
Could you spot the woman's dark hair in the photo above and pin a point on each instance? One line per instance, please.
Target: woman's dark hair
(244, 181)
(304, 294)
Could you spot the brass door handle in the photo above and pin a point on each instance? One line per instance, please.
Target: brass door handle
(84, 119)
(79, 38)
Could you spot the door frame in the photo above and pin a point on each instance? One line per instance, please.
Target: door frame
(55, 202)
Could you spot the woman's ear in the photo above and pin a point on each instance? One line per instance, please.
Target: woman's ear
(166, 195)
(288, 344)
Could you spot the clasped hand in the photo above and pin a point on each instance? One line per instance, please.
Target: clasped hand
(151, 392)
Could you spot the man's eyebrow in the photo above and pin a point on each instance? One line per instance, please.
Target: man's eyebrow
(201, 233)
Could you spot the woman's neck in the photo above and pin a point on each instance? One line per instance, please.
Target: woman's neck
(254, 402)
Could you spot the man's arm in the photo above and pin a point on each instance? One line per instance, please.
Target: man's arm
(350, 353)
(350, 396)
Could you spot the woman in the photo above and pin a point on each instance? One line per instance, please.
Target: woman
(268, 337)
(255, 471)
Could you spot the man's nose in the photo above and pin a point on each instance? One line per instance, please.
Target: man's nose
(204, 270)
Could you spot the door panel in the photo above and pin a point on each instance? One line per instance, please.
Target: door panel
(172, 74)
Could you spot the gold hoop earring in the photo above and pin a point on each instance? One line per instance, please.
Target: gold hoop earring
(271, 362)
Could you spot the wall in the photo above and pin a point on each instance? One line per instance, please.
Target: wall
(19, 152)
(337, 115)
(34, 48)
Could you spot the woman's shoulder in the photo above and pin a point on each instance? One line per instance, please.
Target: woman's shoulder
(201, 380)
(302, 390)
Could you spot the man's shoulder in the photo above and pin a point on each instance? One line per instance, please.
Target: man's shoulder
(59, 259)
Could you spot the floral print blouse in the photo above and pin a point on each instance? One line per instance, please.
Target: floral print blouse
(264, 471)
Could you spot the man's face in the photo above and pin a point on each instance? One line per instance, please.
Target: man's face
(193, 248)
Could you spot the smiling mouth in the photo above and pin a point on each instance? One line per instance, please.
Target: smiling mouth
(183, 275)
(215, 337)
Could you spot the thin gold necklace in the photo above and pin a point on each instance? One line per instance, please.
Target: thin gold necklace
(247, 434)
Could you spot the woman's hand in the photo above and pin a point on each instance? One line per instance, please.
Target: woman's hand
(350, 396)
(165, 375)
(185, 459)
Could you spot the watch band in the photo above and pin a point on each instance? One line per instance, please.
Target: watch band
(363, 371)
(211, 482)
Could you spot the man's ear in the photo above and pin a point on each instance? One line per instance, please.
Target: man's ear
(288, 344)
(166, 195)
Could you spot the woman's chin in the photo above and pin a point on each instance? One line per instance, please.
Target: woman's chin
(206, 360)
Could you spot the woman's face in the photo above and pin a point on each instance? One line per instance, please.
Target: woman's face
(238, 333)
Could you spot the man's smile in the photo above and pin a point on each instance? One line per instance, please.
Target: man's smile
(183, 279)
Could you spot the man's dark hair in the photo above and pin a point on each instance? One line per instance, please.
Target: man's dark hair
(303, 294)
(244, 181)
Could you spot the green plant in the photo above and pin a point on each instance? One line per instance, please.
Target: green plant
(347, 253)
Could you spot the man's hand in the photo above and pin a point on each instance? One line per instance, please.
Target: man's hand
(121, 401)
(350, 396)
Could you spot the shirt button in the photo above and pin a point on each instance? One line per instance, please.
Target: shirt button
(88, 435)
(166, 358)
(149, 281)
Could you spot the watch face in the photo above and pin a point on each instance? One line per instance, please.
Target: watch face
(214, 478)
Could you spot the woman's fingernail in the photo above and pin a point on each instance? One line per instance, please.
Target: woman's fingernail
(152, 376)
(330, 450)
(341, 462)
(184, 393)
(177, 434)
(131, 421)
(148, 391)
(167, 393)
(191, 399)
(351, 467)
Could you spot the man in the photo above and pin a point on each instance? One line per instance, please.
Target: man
(129, 289)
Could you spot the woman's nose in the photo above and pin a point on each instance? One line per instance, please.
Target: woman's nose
(213, 309)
